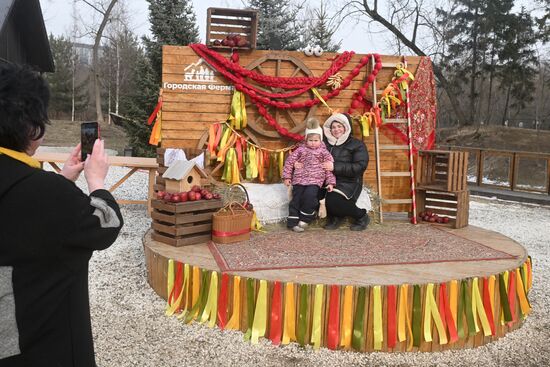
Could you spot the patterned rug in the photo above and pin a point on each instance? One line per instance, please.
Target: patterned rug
(317, 248)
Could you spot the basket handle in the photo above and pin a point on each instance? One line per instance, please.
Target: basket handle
(230, 207)
(242, 188)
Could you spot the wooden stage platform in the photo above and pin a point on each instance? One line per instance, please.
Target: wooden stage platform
(460, 299)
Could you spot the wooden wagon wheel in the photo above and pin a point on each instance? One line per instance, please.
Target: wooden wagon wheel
(295, 124)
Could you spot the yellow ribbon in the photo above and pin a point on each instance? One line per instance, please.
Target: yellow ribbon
(316, 92)
(211, 309)
(177, 303)
(529, 274)
(523, 302)
(491, 286)
(347, 319)
(21, 157)
(156, 136)
(170, 283)
(316, 328)
(476, 295)
(377, 318)
(403, 319)
(431, 312)
(259, 324)
(453, 300)
(235, 320)
(289, 329)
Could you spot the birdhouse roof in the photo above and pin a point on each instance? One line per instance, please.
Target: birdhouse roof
(180, 169)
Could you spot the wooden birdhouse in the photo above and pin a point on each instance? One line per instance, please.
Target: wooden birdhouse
(182, 175)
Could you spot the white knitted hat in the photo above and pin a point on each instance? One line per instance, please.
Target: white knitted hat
(313, 127)
(342, 119)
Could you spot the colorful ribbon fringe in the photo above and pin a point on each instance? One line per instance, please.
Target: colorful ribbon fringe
(362, 318)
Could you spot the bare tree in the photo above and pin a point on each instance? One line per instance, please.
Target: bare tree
(105, 14)
(410, 12)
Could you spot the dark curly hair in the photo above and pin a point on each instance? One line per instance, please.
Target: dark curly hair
(24, 98)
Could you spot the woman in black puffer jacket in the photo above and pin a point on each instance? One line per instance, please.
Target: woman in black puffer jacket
(350, 162)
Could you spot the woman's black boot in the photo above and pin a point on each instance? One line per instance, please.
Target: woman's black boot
(333, 223)
(361, 223)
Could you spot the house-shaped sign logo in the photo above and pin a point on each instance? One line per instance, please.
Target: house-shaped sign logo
(199, 72)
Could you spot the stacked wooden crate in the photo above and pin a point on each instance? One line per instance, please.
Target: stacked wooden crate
(181, 224)
(222, 23)
(442, 185)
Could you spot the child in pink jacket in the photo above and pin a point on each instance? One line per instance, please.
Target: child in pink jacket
(304, 170)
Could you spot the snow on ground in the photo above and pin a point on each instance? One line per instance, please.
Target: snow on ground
(130, 328)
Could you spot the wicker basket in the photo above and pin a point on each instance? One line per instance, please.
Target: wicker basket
(231, 224)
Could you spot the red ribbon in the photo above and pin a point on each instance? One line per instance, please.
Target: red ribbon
(239, 150)
(512, 297)
(155, 112)
(487, 305)
(333, 326)
(222, 302)
(392, 309)
(276, 320)
(178, 283)
(448, 316)
(229, 234)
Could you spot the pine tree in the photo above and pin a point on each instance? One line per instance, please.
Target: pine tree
(278, 25)
(61, 80)
(519, 62)
(320, 31)
(173, 22)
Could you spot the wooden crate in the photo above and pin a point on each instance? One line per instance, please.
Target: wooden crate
(455, 205)
(442, 170)
(181, 224)
(222, 22)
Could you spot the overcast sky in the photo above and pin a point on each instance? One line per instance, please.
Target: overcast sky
(57, 15)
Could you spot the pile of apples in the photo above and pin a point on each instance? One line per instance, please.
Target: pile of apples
(196, 193)
(232, 41)
(432, 217)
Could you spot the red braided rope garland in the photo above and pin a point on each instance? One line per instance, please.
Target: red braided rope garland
(280, 82)
(261, 98)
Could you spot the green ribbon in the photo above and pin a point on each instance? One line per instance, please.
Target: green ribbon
(417, 317)
(302, 315)
(203, 292)
(250, 287)
(504, 298)
(358, 337)
(460, 315)
(467, 300)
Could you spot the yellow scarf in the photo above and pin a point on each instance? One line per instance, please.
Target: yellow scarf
(20, 156)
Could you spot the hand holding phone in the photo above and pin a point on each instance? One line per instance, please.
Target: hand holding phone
(89, 133)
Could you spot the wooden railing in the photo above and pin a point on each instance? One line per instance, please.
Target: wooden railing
(133, 163)
(506, 169)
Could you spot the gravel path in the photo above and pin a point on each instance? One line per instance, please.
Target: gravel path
(130, 328)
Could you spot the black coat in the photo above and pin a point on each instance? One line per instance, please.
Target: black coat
(350, 162)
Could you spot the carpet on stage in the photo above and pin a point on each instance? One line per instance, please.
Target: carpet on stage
(318, 248)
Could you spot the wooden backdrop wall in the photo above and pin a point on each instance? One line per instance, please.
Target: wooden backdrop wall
(188, 110)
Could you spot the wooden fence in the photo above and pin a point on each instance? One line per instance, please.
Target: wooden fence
(506, 169)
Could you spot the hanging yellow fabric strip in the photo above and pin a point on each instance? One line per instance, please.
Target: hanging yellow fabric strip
(427, 313)
(235, 320)
(289, 329)
(316, 92)
(476, 296)
(523, 302)
(177, 304)
(453, 299)
(434, 311)
(170, 283)
(347, 318)
(244, 118)
(505, 276)
(211, 309)
(491, 286)
(402, 313)
(317, 322)
(377, 318)
(259, 324)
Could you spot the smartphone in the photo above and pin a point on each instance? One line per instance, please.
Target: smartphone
(89, 133)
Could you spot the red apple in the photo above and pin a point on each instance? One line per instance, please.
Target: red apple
(204, 192)
(432, 220)
(160, 195)
(192, 196)
(198, 196)
(208, 196)
(445, 219)
(167, 197)
(176, 198)
(217, 43)
(184, 196)
(216, 195)
(196, 188)
(439, 220)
